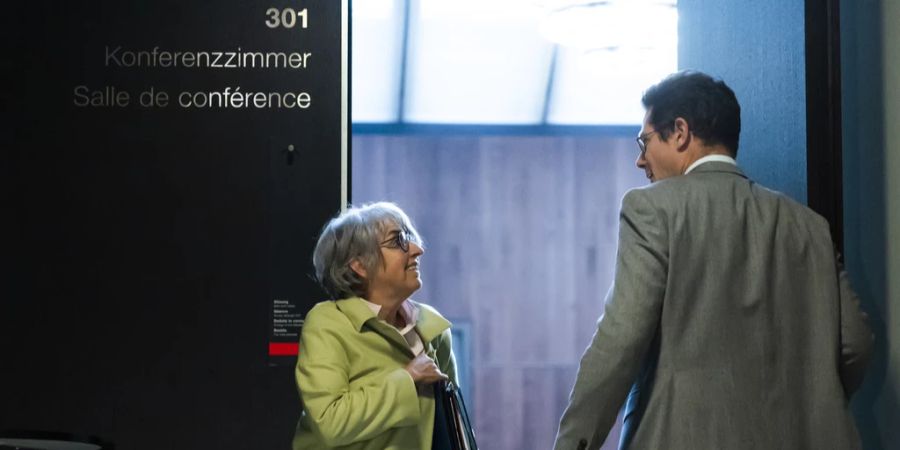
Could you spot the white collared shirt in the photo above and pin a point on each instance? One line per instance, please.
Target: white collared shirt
(710, 158)
(410, 315)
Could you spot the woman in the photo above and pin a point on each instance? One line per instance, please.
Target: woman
(369, 357)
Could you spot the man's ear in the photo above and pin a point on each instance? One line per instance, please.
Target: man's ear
(682, 132)
(357, 266)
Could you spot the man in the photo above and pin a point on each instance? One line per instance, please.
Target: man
(730, 323)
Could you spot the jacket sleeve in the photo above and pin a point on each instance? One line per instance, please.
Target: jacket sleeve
(340, 414)
(857, 340)
(445, 359)
(624, 333)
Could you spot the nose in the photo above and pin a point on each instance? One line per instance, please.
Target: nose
(415, 250)
(641, 162)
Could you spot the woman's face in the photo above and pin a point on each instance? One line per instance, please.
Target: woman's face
(398, 275)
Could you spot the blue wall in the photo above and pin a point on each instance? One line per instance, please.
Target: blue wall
(757, 48)
(865, 222)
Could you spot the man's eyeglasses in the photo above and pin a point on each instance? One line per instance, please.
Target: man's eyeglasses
(642, 141)
(399, 240)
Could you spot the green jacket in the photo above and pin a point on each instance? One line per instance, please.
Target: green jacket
(356, 393)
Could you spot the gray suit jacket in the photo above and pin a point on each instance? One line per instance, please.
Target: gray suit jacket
(730, 325)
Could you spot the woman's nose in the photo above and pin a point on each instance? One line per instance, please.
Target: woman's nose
(415, 249)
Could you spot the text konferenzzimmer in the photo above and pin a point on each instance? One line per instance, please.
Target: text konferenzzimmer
(237, 59)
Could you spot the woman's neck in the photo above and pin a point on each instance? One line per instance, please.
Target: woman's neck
(390, 310)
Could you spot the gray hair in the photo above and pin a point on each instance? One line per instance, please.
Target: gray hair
(356, 234)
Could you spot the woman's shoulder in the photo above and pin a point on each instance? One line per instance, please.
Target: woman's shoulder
(425, 308)
(323, 307)
(431, 323)
(351, 312)
(322, 313)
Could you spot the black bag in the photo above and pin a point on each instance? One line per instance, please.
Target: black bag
(452, 428)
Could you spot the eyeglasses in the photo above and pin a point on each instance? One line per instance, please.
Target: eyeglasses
(642, 141)
(399, 240)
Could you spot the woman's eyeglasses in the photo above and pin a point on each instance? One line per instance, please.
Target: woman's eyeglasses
(399, 240)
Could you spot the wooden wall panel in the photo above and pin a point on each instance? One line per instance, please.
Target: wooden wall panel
(520, 236)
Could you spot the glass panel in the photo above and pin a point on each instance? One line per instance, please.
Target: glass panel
(520, 230)
(376, 59)
(520, 237)
(490, 61)
(610, 52)
(476, 62)
(604, 87)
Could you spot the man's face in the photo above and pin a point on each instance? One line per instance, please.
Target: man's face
(660, 159)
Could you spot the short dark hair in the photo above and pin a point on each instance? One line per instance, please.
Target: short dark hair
(707, 104)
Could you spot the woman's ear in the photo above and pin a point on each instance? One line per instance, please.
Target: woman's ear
(357, 266)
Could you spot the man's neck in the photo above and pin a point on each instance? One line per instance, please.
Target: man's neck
(702, 152)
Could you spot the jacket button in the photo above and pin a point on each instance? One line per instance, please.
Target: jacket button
(582, 444)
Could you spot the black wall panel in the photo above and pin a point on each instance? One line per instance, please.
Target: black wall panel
(144, 244)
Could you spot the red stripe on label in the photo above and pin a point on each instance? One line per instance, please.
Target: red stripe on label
(283, 349)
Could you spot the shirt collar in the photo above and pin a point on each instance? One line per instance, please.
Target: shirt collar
(429, 322)
(408, 311)
(710, 158)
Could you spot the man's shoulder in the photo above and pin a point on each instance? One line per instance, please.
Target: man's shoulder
(784, 200)
(661, 191)
(694, 189)
(799, 210)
